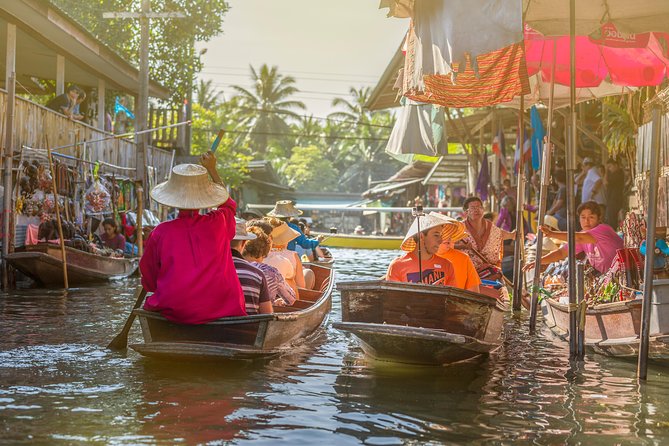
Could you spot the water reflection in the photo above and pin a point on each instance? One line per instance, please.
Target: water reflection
(59, 384)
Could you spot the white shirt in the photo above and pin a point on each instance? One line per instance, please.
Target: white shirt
(589, 182)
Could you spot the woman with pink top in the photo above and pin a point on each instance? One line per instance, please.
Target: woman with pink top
(597, 240)
(187, 262)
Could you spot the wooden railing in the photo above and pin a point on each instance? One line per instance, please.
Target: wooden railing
(34, 123)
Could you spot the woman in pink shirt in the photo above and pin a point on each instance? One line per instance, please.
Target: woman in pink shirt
(187, 262)
(597, 240)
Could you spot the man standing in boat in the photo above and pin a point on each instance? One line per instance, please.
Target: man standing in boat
(421, 264)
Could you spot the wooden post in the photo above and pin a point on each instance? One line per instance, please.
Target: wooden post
(7, 149)
(102, 113)
(57, 206)
(60, 74)
(520, 236)
(139, 191)
(642, 366)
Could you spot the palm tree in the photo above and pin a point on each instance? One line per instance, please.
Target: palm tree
(267, 106)
(363, 153)
(309, 131)
(206, 95)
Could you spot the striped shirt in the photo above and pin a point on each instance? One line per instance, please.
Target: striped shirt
(254, 284)
(278, 287)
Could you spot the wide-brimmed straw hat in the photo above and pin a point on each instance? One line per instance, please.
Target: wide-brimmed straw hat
(283, 234)
(284, 209)
(240, 230)
(189, 187)
(426, 222)
(454, 230)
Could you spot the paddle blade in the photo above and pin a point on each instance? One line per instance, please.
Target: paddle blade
(120, 342)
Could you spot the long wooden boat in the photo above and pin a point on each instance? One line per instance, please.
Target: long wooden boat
(360, 241)
(611, 329)
(420, 324)
(249, 337)
(44, 263)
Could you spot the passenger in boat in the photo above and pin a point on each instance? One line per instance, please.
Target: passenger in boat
(111, 237)
(255, 251)
(466, 276)
(252, 278)
(187, 262)
(430, 268)
(597, 240)
(484, 243)
(296, 275)
(285, 210)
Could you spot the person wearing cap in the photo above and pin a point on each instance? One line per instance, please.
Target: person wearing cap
(255, 251)
(252, 279)
(466, 276)
(593, 184)
(429, 268)
(284, 210)
(187, 262)
(296, 276)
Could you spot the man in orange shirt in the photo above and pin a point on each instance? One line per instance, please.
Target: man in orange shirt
(466, 276)
(430, 269)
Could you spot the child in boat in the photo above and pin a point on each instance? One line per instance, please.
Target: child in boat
(252, 279)
(187, 262)
(429, 269)
(111, 237)
(255, 252)
(466, 276)
(597, 240)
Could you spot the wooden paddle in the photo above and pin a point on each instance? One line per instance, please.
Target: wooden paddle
(120, 342)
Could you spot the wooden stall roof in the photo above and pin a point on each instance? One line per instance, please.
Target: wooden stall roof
(44, 31)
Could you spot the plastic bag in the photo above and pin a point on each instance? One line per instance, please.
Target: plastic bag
(98, 199)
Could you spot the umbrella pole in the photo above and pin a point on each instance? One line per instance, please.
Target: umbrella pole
(642, 366)
(543, 198)
(520, 233)
(571, 171)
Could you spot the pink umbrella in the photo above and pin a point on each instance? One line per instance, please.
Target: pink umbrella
(632, 60)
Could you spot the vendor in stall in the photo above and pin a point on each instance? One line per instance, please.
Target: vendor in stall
(111, 237)
(597, 240)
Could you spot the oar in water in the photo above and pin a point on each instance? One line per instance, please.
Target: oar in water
(121, 340)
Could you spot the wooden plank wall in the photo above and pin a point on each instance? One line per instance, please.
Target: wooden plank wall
(33, 123)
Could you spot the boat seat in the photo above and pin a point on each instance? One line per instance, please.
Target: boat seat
(309, 295)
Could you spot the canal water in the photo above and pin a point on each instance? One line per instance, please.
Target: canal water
(59, 385)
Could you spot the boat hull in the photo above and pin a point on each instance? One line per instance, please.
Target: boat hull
(258, 336)
(44, 263)
(611, 329)
(420, 324)
(360, 241)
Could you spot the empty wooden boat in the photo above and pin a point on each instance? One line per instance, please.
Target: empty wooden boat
(420, 324)
(248, 337)
(44, 263)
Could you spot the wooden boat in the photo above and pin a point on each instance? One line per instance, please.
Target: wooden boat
(611, 329)
(327, 261)
(360, 241)
(249, 337)
(44, 263)
(420, 324)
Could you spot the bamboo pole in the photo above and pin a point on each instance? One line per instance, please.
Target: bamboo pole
(571, 168)
(543, 198)
(139, 191)
(642, 366)
(7, 176)
(57, 206)
(520, 237)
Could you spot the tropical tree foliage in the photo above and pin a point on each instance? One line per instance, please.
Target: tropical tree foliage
(174, 60)
(267, 106)
(308, 170)
(206, 94)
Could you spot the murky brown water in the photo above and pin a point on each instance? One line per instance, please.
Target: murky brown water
(59, 385)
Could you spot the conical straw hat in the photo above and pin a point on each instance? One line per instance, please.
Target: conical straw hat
(283, 234)
(240, 230)
(189, 187)
(284, 209)
(426, 222)
(454, 230)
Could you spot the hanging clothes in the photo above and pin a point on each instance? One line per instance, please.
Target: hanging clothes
(447, 31)
(419, 129)
(538, 134)
(501, 76)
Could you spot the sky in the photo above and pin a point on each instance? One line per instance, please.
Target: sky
(327, 46)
